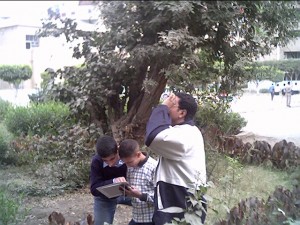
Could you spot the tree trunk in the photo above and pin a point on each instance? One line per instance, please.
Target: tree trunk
(133, 124)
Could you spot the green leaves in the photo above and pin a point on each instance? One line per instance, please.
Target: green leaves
(10, 208)
(15, 73)
(37, 119)
(160, 41)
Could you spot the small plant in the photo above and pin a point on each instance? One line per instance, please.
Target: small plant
(229, 182)
(10, 209)
(196, 209)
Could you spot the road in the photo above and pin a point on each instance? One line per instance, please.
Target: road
(268, 118)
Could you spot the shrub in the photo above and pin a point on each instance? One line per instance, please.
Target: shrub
(10, 209)
(65, 158)
(75, 141)
(37, 118)
(232, 123)
(4, 108)
(214, 112)
(264, 90)
(5, 138)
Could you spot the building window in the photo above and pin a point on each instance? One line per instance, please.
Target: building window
(32, 41)
(291, 55)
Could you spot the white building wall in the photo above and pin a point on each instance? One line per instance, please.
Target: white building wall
(293, 46)
(52, 52)
(12, 46)
(274, 55)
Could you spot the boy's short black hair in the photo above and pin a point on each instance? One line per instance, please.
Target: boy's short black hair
(127, 148)
(106, 146)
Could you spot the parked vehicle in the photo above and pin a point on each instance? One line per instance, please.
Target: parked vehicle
(280, 86)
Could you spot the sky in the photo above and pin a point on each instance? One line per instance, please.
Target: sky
(30, 9)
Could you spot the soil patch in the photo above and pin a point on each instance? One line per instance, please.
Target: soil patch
(73, 206)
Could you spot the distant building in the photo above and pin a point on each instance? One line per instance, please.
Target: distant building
(290, 51)
(19, 44)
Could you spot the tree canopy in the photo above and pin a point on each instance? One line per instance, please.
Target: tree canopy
(149, 43)
(289, 68)
(15, 74)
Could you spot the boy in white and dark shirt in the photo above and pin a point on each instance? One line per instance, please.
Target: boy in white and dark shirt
(140, 173)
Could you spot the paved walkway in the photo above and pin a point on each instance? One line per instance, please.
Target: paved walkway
(270, 118)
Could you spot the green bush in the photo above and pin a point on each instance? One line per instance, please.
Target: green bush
(37, 119)
(10, 209)
(14, 74)
(5, 138)
(63, 160)
(264, 90)
(232, 123)
(214, 112)
(4, 107)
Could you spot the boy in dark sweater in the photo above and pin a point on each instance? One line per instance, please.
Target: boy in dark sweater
(106, 168)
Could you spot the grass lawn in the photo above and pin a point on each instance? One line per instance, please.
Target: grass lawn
(234, 182)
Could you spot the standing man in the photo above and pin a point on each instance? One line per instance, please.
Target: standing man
(288, 93)
(272, 91)
(172, 134)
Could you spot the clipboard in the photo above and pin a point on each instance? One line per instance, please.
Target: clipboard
(113, 190)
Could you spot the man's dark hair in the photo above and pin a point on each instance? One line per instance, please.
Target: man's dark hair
(187, 102)
(127, 148)
(106, 146)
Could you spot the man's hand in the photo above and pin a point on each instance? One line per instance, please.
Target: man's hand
(170, 101)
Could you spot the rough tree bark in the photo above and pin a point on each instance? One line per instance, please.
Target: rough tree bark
(133, 124)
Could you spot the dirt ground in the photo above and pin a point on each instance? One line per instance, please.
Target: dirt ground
(73, 206)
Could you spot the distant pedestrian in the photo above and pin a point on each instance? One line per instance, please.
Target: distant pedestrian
(272, 91)
(283, 90)
(288, 93)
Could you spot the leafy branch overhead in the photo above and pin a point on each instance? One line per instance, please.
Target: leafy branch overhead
(146, 45)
